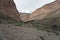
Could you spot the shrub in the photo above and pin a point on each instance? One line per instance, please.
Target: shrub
(41, 38)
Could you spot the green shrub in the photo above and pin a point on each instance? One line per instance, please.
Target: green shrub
(41, 38)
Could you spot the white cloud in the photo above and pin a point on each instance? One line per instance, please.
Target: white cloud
(30, 5)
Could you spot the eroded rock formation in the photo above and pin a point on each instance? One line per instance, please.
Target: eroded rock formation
(8, 8)
(47, 11)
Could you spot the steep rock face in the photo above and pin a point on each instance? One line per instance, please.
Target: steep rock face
(8, 8)
(48, 10)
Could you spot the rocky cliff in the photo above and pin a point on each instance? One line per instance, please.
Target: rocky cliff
(8, 8)
(47, 11)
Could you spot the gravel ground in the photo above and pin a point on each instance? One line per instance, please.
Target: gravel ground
(9, 32)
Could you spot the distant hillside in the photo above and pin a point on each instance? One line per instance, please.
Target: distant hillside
(24, 16)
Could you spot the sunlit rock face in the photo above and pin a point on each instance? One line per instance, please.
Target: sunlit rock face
(24, 16)
(47, 11)
(8, 8)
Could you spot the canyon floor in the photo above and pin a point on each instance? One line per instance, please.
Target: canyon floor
(12, 30)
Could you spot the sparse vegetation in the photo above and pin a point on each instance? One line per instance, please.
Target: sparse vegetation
(34, 24)
(0, 22)
(19, 23)
(7, 20)
(41, 38)
(4, 19)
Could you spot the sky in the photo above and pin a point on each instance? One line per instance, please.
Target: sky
(29, 6)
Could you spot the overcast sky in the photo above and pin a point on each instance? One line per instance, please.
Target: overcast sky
(30, 5)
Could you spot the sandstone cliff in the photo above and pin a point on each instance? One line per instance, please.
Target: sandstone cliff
(8, 8)
(47, 11)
